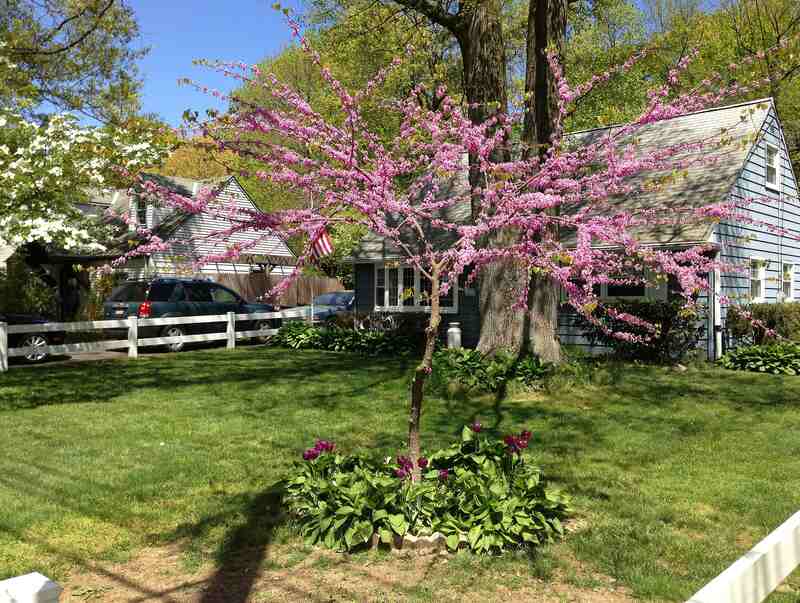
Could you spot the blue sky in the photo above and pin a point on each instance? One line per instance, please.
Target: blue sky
(179, 31)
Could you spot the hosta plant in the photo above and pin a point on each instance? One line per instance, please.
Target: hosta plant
(779, 358)
(483, 494)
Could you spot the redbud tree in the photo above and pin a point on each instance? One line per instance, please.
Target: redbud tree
(560, 206)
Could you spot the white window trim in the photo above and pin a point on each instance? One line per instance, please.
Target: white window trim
(789, 297)
(762, 278)
(417, 306)
(767, 184)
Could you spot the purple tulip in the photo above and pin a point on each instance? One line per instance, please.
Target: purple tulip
(401, 473)
(526, 435)
(310, 454)
(476, 427)
(324, 446)
(444, 474)
(422, 462)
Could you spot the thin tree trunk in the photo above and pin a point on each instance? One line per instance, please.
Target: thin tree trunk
(421, 374)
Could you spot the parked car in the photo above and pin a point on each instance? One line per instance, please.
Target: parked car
(35, 342)
(328, 305)
(177, 297)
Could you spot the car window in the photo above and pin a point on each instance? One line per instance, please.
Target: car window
(338, 298)
(129, 292)
(161, 292)
(221, 295)
(197, 292)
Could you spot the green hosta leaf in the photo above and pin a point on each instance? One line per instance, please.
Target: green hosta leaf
(452, 542)
(467, 435)
(385, 536)
(473, 536)
(345, 510)
(398, 523)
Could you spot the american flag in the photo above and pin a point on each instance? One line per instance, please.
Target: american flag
(322, 244)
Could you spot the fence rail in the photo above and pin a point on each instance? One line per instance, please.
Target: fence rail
(760, 571)
(133, 342)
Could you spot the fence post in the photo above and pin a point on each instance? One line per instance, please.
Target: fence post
(231, 330)
(133, 337)
(3, 347)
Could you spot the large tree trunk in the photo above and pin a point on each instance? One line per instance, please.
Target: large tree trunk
(547, 24)
(480, 39)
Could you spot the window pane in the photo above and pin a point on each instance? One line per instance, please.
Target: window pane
(198, 292)
(129, 292)
(408, 286)
(380, 287)
(755, 289)
(787, 289)
(625, 290)
(425, 290)
(788, 269)
(223, 296)
(754, 269)
(393, 287)
(161, 292)
(446, 300)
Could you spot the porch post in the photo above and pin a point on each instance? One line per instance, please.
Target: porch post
(3, 347)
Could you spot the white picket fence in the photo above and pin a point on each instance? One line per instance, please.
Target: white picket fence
(760, 571)
(133, 324)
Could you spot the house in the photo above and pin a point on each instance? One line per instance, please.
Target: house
(270, 256)
(186, 233)
(755, 166)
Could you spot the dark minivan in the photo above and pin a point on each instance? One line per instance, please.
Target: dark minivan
(174, 297)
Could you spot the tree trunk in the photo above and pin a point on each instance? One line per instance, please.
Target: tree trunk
(421, 374)
(547, 24)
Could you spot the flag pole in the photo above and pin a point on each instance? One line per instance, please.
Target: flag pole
(311, 317)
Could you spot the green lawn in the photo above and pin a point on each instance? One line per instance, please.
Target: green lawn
(674, 474)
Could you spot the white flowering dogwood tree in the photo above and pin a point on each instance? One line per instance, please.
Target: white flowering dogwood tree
(45, 169)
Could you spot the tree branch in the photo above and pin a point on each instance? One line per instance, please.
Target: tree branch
(71, 45)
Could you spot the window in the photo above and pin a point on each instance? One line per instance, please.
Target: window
(221, 295)
(129, 292)
(404, 289)
(773, 168)
(161, 292)
(758, 279)
(198, 292)
(787, 282)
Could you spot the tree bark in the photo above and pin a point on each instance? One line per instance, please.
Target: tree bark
(421, 374)
(547, 24)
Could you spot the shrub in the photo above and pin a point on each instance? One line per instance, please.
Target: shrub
(678, 330)
(23, 290)
(481, 494)
(473, 370)
(778, 359)
(783, 319)
(300, 335)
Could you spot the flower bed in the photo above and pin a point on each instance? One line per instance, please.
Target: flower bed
(480, 494)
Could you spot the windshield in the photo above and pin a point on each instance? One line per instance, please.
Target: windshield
(338, 298)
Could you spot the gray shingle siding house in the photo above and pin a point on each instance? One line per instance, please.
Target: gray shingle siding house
(755, 166)
(185, 232)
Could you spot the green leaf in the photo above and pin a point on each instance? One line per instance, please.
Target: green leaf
(452, 542)
(385, 536)
(345, 510)
(474, 535)
(467, 435)
(398, 523)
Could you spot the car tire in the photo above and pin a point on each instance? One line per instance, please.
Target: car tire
(174, 331)
(35, 341)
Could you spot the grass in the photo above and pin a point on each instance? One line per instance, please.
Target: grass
(674, 475)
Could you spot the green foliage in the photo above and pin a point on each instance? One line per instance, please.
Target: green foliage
(473, 370)
(678, 330)
(76, 55)
(22, 290)
(478, 493)
(783, 319)
(777, 359)
(299, 335)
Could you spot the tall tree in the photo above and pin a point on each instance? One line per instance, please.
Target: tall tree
(76, 55)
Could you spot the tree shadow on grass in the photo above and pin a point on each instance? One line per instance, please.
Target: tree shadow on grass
(107, 381)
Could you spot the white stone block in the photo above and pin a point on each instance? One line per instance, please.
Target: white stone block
(30, 588)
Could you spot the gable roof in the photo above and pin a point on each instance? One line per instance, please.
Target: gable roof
(702, 184)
